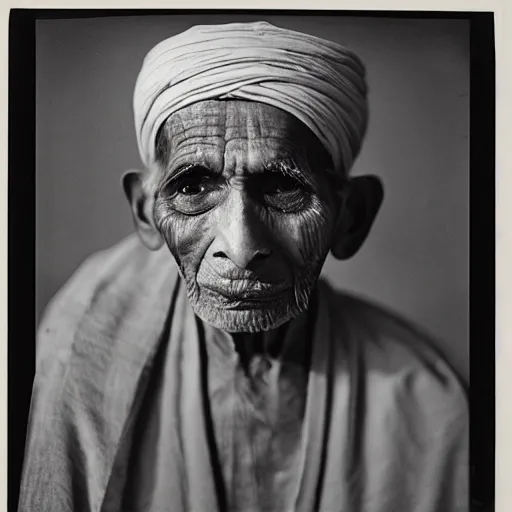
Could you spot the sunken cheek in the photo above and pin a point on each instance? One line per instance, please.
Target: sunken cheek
(308, 233)
(188, 237)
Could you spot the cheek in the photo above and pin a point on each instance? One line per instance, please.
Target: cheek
(306, 235)
(187, 237)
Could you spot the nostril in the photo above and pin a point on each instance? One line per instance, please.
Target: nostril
(219, 254)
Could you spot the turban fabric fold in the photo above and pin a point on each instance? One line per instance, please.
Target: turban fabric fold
(318, 81)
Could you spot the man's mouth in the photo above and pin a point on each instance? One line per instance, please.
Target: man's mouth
(246, 290)
(241, 289)
(243, 294)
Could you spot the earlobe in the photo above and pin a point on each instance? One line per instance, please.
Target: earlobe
(361, 208)
(141, 207)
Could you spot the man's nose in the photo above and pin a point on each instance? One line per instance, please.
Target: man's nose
(241, 233)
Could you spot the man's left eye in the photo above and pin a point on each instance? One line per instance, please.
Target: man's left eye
(285, 193)
(281, 184)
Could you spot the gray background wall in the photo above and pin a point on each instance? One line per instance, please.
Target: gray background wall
(416, 259)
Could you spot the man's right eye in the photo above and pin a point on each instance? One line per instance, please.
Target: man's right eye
(194, 186)
(193, 181)
(196, 192)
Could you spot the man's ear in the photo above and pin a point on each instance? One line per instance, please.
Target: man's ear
(356, 219)
(142, 209)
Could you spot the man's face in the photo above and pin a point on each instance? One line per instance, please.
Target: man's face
(245, 212)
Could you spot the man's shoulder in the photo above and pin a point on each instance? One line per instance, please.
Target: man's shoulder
(407, 405)
(402, 364)
(107, 278)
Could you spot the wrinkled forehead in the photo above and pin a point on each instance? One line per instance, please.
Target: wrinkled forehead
(238, 125)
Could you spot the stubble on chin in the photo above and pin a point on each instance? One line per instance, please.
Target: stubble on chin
(264, 317)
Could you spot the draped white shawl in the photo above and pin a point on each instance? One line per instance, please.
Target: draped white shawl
(386, 419)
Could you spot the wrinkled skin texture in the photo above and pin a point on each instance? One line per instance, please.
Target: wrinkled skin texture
(245, 206)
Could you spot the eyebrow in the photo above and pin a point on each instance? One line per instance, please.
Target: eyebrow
(285, 165)
(289, 167)
(170, 175)
(189, 161)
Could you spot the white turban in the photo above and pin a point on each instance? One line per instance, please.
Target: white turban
(318, 81)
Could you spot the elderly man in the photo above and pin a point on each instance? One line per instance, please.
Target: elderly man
(232, 378)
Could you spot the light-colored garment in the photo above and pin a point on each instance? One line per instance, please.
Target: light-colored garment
(257, 424)
(317, 81)
(385, 421)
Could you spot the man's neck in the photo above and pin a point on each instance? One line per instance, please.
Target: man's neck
(270, 345)
(263, 343)
(266, 344)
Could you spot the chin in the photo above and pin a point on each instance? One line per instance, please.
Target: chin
(244, 316)
(244, 320)
(238, 316)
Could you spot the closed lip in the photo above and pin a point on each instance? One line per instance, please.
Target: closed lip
(246, 290)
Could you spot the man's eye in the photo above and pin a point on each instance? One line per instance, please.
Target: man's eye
(193, 183)
(284, 193)
(195, 193)
(281, 184)
(192, 189)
